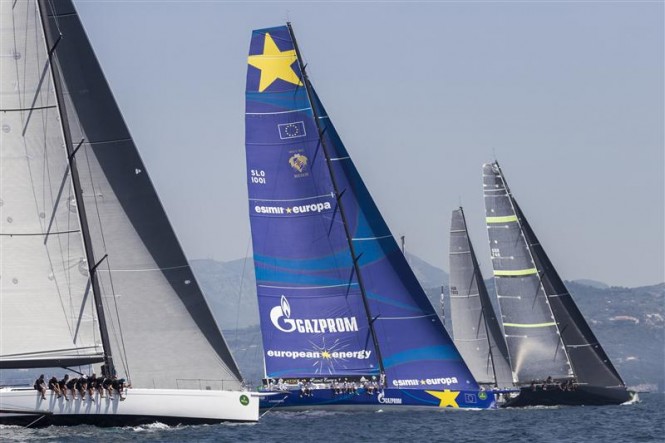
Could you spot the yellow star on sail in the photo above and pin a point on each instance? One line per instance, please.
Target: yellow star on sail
(274, 64)
(448, 398)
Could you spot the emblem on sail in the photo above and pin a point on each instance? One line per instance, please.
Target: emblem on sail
(280, 316)
(299, 163)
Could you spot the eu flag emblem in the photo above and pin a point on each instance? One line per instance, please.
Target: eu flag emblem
(291, 130)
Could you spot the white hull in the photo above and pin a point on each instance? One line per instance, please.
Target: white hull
(24, 406)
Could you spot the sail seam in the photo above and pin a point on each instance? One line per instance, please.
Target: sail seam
(371, 238)
(308, 287)
(279, 112)
(406, 318)
(290, 199)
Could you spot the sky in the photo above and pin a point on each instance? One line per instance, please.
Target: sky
(567, 95)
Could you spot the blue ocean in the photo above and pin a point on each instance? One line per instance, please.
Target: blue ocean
(642, 422)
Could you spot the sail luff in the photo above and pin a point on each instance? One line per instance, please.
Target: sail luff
(340, 206)
(80, 204)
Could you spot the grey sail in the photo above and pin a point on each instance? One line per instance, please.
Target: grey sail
(161, 330)
(476, 329)
(47, 315)
(590, 363)
(532, 333)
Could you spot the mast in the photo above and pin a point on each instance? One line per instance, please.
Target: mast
(338, 197)
(71, 158)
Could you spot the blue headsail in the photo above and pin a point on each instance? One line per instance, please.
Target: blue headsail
(318, 316)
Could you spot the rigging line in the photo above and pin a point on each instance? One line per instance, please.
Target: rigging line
(125, 362)
(56, 16)
(34, 108)
(37, 234)
(242, 279)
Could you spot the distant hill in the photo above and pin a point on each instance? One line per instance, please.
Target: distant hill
(592, 283)
(629, 322)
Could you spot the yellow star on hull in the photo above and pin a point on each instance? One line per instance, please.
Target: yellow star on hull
(447, 398)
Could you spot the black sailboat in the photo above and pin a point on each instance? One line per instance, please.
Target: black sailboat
(476, 329)
(555, 356)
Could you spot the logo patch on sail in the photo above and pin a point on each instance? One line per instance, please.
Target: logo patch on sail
(280, 316)
(291, 130)
(299, 162)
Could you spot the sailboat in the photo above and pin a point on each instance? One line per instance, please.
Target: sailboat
(344, 321)
(476, 329)
(555, 356)
(92, 276)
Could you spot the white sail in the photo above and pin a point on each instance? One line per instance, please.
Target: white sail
(47, 314)
(161, 330)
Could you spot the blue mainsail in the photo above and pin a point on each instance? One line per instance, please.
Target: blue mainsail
(336, 296)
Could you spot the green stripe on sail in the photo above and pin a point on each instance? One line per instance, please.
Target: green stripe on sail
(515, 273)
(530, 325)
(504, 219)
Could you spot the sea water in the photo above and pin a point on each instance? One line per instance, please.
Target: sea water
(641, 422)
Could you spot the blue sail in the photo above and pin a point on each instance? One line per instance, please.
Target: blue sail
(321, 312)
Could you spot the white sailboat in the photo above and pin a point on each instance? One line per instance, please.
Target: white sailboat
(91, 271)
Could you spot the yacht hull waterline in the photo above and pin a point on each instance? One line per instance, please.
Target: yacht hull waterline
(387, 398)
(581, 396)
(24, 407)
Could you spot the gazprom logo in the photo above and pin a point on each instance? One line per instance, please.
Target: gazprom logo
(280, 316)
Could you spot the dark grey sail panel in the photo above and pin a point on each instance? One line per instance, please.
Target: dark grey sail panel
(588, 358)
(158, 317)
(47, 316)
(476, 329)
(535, 346)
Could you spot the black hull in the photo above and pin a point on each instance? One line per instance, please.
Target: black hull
(101, 420)
(581, 396)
